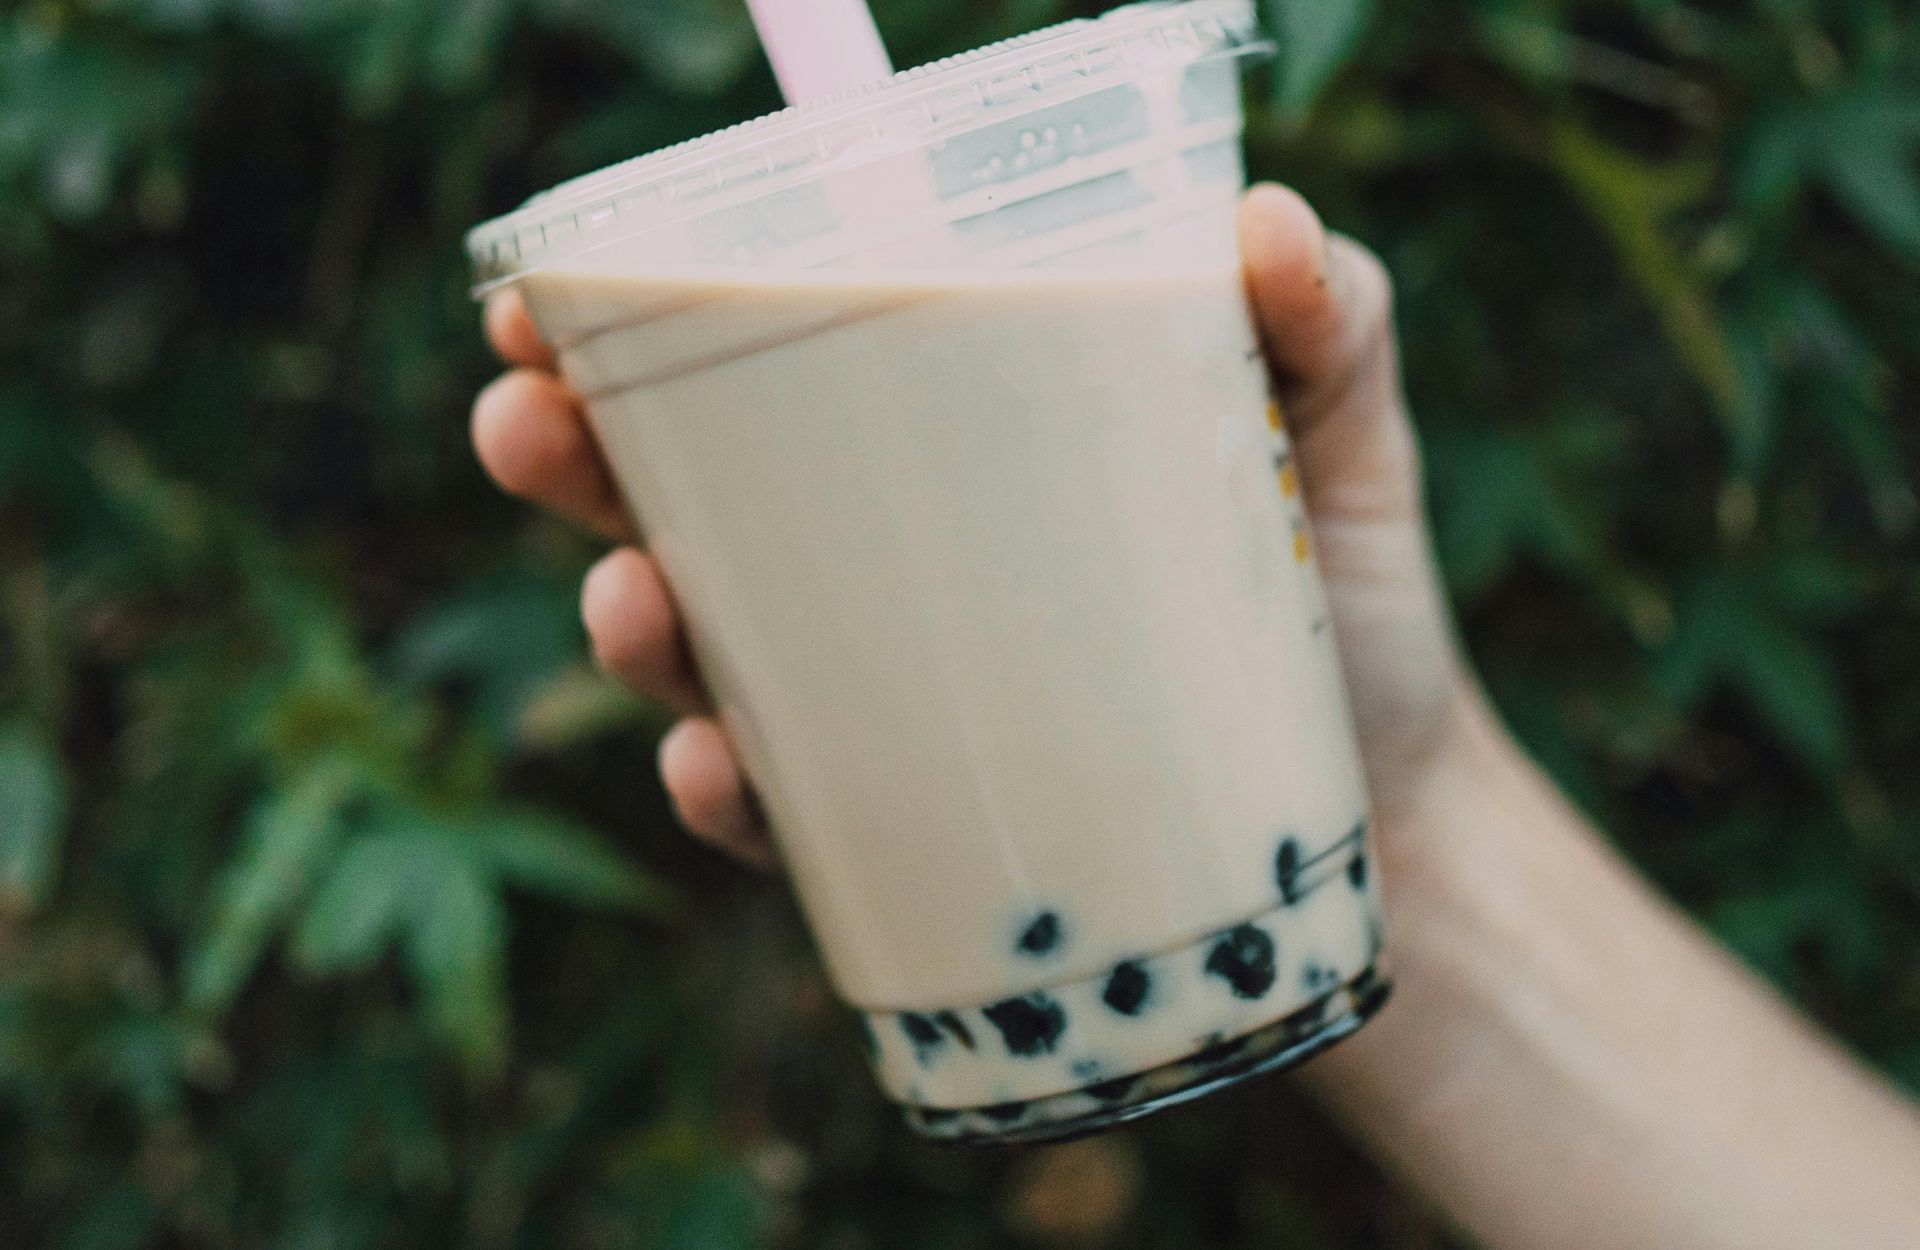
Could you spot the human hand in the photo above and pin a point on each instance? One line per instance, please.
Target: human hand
(1322, 305)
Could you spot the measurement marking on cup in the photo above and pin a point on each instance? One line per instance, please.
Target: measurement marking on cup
(1293, 869)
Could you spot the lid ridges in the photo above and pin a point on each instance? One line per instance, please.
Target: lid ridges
(921, 99)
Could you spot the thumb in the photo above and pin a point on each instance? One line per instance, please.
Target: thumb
(1323, 305)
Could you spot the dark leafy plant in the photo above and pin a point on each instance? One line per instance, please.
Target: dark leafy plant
(337, 903)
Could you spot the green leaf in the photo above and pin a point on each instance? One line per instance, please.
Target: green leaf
(287, 836)
(1862, 144)
(505, 638)
(1536, 492)
(690, 47)
(580, 704)
(367, 898)
(1879, 187)
(1731, 631)
(546, 856)
(1637, 202)
(1795, 685)
(118, 1217)
(1773, 163)
(455, 946)
(33, 809)
(1317, 38)
(1762, 930)
(466, 41)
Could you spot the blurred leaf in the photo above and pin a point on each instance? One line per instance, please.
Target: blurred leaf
(666, 1183)
(581, 704)
(1818, 908)
(1868, 149)
(119, 1218)
(506, 638)
(33, 811)
(369, 896)
(466, 42)
(1796, 687)
(692, 47)
(1880, 186)
(72, 111)
(387, 48)
(1638, 202)
(1317, 37)
(546, 856)
(456, 948)
(1728, 630)
(1762, 929)
(142, 1055)
(414, 885)
(1534, 492)
(433, 885)
(286, 838)
(1862, 144)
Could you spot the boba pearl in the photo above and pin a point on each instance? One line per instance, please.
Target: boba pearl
(922, 1032)
(1243, 958)
(1031, 1025)
(1114, 1090)
(1126, 989)
(1041, 936)
(1218, 1051)
(955, 1026)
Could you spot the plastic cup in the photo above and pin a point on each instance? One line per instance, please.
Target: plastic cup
(940, 404)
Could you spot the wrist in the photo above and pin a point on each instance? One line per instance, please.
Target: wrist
(1458, 854)
(1448, 845)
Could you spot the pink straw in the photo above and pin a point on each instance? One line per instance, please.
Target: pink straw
(820, 47)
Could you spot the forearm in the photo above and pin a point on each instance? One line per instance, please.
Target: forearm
(1572, 1063)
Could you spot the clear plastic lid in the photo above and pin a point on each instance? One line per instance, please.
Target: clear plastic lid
(750, 165)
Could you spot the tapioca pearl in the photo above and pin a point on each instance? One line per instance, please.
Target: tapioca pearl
(1086, 1069)
(1030, 1026)
(1041, 936)
(1368, 992)
(955, 1027)
(1218, 1051)
(1114, 1090)
(1004, 1112)
(1127, 988)
(1306, 1019)
(922, 1032)
(1286, 870)
(1317, 977)
(1243, 958)
(934, 1116)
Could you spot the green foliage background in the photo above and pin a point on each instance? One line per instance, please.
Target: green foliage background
(338, 905)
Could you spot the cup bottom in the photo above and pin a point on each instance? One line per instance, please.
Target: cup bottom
(1292, 1040)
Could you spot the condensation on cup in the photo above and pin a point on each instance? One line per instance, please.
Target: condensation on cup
(940, 404)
